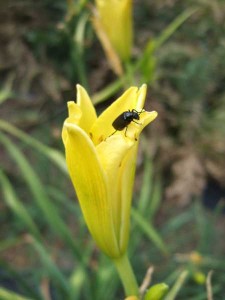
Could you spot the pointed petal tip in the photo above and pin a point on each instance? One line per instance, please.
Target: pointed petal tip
(78, 89)
(154, 112)
(70, 103)
(142, 91)
(153, 115)
(78, 86)
(143, 86)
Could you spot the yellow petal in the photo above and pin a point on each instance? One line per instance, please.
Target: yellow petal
(83, 112)
(73, 118)
(90, 182)
(88, 113)
(112, 153)
(126, 179)
(141, 97)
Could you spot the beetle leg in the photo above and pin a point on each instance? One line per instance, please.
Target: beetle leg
(112, 133)
(136, 122)
(126, 131)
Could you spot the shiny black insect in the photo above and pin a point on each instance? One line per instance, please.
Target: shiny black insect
(123, 120)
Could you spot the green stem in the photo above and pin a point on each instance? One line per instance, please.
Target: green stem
(127, 276)
(130, 80)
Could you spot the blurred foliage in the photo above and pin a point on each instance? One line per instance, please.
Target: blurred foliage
(48, 46)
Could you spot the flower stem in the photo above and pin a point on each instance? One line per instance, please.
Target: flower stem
(127, 276)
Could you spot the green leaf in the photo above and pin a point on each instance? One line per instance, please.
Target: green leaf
(148, 60)
(55, 156)
(151, 191)
(6, 91)
(51, 268)
(173, 26)
(149, 230)
(40, 196)
(8, 295)
(177, 286)
(17, 206)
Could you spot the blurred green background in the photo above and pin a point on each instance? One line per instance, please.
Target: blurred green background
(178, 222)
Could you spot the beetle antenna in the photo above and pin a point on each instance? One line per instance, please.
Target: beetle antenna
(140, 112)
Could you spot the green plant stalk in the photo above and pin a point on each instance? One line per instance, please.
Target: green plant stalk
(127, 276)
(130, 74)
(78, 63)
(78, 49)
(177, 286)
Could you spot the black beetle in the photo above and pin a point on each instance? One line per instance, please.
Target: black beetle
(124, 119)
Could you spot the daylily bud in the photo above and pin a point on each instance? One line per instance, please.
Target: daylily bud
(102, 165)
(114, 17)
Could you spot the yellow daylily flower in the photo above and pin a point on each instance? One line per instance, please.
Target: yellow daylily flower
(114, 17)
(102, 165)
